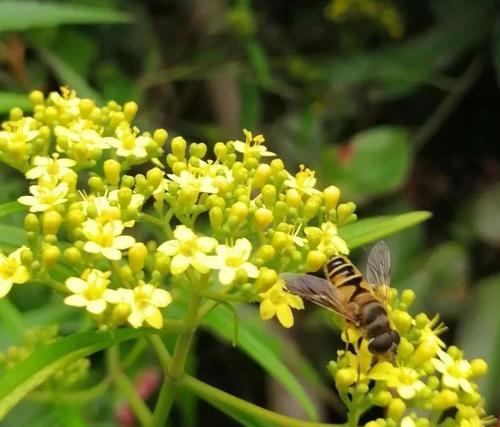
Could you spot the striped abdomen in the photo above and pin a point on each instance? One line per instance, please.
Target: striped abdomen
(372, 315)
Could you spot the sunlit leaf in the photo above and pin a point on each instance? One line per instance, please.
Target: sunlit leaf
(22, 15)
(45, 361)
(369, 230)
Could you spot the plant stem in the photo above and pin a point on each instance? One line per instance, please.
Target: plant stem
(76, 396)
(218, 397)
(174, 367)
(137, 405)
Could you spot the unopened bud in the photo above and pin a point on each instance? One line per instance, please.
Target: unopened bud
(179, 147)
(331, 195)
(262, 218)
(344, 378)
(137, 255)
(315, 260)
(50, 255)
(51, 222)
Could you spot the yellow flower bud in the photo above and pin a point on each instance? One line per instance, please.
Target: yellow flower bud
(277, 165)
(51, 221)
(16, 114)
(267, 278)
(372, 424)
(220, 150)
(187, 197)
(396, 409)
(137, 255)
(405, 349)
(382, 398)
(121, 313)
(36, 97)
(86, 107)
(407, 297)
(402, 320)
(280, 240)
(332, 368)
(293, 198)
(73, 255)
(154, 177)
(179, 147)
(344, 212)
(478, 367)
(269, 195)
(162, 263)
(216, 216)
(50, 255)
(444, 400)
(331, 195)
(75, 218)
(112, 171)
(262, 174)
(31, 222)
(160, 136)
(96, 184)
(311, 208)
(344, 378)
(471, 399)
(266, 253)
(424, 352)
(240, 210)
(315, 260)
(130, 110)
(262, 218)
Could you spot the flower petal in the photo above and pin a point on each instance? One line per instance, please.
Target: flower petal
(169, 248)
(227, 275)
(76, 300)
(285, 315)
(96, 306)
(267, 309)
(161, 298)
(179, 264)
(5, 287)
(154, 317)
(76, 285)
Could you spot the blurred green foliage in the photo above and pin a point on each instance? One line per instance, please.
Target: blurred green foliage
(400, 119)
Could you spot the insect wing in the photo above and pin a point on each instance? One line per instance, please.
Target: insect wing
(379, 270)
(318, 291)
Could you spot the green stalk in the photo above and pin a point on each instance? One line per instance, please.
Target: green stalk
(216, 396)
(176, 365)
(137, 405)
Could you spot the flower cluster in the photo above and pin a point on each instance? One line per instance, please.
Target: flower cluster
(427, 384)
(229, 220)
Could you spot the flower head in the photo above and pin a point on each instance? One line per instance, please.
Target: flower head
(127, 143)
(455, 372)
(45, 197)
(230, 259)
(89, 291)
(404, 379)
(52, 166)
(304, 181)
(188, 249)
(106, 239)
(252, 144)
(187, 179)
(144, 302)
(276, 301)
(12, 271)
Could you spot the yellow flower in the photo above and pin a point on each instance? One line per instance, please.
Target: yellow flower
(20, 131)
(230, 259)
(12, 271)
(188, 249)
(55, 167)
(304, 181)
(455, 372)
(81, 131)
(89, 291)
(45, 197)
(66, 101)
(330, 242)
(143, 301)
(276, 301)
(201, 184)
(404, 379)
(127, 143)
(252, 145)
(106, 238)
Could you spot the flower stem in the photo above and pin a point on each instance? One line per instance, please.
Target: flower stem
(218, 397)
(175, 365)
(137, 405)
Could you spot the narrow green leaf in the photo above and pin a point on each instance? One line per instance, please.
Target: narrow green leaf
(369, 230)
(22, 15)
(220, 322)
(12, 236)
(45, 361)
(68, 76)
(11, 99)
(11, 319)
(10, 207)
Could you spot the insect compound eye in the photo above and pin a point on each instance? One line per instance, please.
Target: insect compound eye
(395, 337)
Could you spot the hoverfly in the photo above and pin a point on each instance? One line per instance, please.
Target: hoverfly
(361, 302)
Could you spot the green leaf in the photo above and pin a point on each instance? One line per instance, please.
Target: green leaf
(374, 162)
(11, 207)
(11, 99)
(486, 214)
(12, 236)
(45, 361)
(12, 320)
(479, 335)
(368, 230)
(22, 15)
(266, 352)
